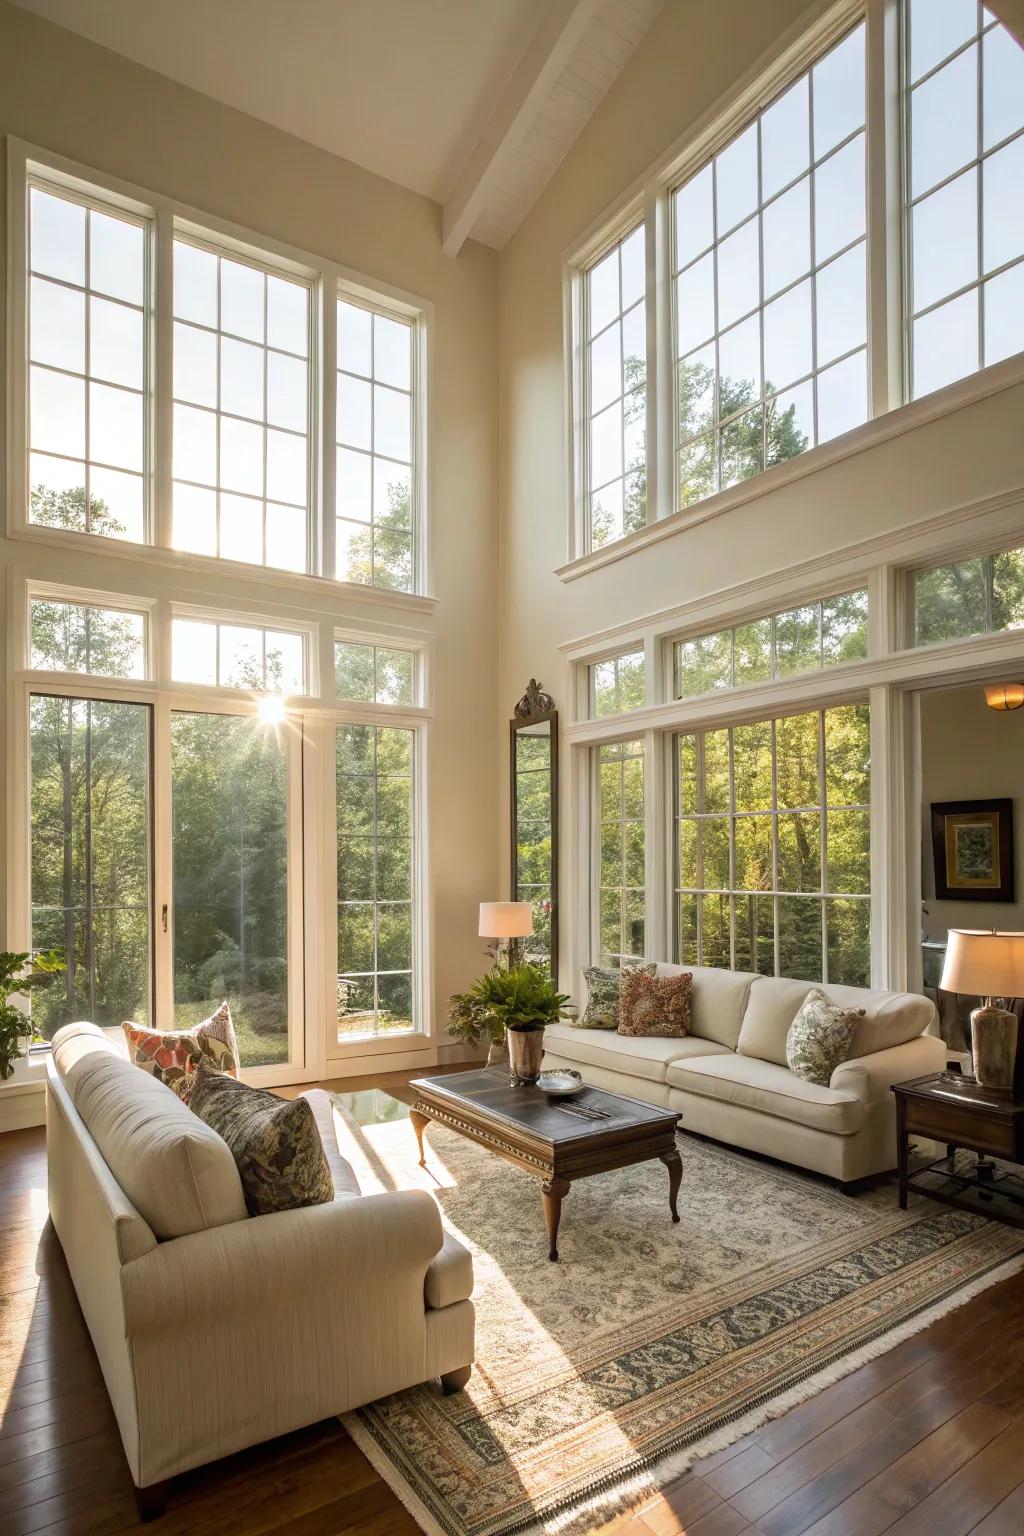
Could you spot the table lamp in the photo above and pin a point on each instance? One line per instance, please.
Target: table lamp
(508, 922)
(988, 964)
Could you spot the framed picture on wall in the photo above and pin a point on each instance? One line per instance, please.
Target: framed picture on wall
(972, 842)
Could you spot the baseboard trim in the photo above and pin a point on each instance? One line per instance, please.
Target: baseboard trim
(22, 1106)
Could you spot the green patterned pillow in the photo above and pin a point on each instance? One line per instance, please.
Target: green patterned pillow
(602, 1011)
(274, 1142)
(819, 1037)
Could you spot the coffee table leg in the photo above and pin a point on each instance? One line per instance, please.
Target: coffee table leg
(554, 1192)
(674, 1163)
(419, 1125)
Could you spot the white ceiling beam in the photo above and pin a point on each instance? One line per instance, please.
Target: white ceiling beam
(549, 50)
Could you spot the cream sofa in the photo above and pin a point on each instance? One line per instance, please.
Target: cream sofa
(216, 1330)
(729, 1079)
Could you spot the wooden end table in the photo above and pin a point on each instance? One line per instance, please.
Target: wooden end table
(961, 1114)
(558, 1141)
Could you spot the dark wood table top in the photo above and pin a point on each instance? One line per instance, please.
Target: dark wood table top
(965, 1093)
(486, 1092)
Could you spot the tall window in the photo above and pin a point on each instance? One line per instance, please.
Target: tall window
(620, 854)
(616, 391)
(229, 787)
(376, 880)
(971, 597)
(241, 410)
(90, 858)
(965, 213)
(374, 528)
(773, 846)
(88, 357)
(770, 292)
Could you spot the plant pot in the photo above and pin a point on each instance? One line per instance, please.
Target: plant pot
(497, 1054)
(525, 1053)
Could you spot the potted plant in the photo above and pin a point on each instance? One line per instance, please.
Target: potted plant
(20, 973)
(518, 1003)
(470, 1021)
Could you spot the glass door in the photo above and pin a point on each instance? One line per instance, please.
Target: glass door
(91, 858)
(236, 862)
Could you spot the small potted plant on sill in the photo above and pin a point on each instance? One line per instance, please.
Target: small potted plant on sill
(20, 973)
(516, 1003)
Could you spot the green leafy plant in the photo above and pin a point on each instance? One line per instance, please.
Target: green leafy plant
(520, 998)
(21, 973)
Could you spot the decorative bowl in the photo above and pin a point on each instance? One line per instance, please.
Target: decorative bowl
(560, 1083)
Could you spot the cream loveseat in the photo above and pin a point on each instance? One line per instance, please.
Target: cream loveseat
(216, 1330)
(729, 1079)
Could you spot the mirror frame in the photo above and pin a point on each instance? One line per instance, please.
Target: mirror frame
(534, 708)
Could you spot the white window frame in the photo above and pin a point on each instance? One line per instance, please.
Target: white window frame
(381, 640)
(890, 411)
(167, 219)
(244, 620)
(893, 671)
(392, 306)
(909, 201)
(83, 597)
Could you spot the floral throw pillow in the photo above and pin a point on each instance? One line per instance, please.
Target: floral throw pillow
(602, 1010)
(820, 1037)
(654, 1005)
(174, 1055)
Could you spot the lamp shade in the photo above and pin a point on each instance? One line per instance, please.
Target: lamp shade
(984, 964)
(505, 919)
(1004, 695)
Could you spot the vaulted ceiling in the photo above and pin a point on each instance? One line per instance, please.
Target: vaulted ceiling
(473, 103)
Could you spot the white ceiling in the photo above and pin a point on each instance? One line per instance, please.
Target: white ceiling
(404, 88)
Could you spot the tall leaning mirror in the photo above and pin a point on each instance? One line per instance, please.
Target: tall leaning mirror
(533, 736)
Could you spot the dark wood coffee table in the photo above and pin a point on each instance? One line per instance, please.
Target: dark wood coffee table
(548, 1137)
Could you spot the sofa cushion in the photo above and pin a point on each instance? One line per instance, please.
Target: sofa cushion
(76, 1041)
(890, 1018)
(644, 1056)
(770, 1089)
(176, 1171)
(654, 1005)
(274, 1141)
(332, 1123)
(717, 1001)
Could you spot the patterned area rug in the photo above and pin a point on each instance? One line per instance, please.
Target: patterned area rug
(600, 1378)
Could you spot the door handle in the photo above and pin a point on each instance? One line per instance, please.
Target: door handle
(163, 917)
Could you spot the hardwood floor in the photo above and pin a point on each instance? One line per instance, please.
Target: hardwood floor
(927, 1440)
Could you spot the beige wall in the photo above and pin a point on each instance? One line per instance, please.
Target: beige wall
(970, 752)
(69, 96)
(694, 54)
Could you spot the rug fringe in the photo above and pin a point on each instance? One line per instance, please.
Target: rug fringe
(626, 1495)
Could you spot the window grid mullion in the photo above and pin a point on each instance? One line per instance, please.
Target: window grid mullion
(773, 747)
(823, 839)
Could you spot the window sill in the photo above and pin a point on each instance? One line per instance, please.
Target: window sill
(904, 418)
(261, 576)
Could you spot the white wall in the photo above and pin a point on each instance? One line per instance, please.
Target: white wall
(970, 752)
(69, 96)
(694, 54)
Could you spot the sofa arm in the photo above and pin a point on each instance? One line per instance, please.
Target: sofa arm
(871, 1077)
(379, 1246)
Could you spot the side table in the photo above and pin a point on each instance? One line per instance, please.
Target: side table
(961, 1114)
